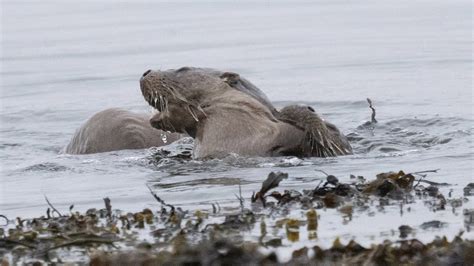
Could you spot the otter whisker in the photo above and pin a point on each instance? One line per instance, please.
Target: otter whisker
(328, 152)
(320, 136)
(323, 154)
(162, 107)
(330, 148)
(201, 110)
(170, 89)
(166, 104)
(192, 113)
(339, 149)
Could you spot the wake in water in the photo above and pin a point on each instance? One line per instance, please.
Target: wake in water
(385, 138)
(401, 135)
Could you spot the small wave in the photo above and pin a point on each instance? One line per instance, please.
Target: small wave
(47, 167)
(459, 133)
(414, 122)
(179, 166)
(220, 181)
(9, 145)
(182, 166)
(409, 133)
(176, 159)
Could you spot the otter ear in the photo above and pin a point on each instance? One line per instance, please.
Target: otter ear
(230, 78)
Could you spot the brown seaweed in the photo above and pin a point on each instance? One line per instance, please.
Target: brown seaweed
(108, 237)
(272, 181)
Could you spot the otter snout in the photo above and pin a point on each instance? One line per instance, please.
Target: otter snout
(161, 121)
(146, 73)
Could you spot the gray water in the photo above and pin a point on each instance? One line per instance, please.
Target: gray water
(63, 61)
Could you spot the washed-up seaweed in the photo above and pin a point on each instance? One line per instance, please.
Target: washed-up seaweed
(469, 190)
(331, 193)
(108, 237)
(52, 207)
(224, 252)
(272, 181)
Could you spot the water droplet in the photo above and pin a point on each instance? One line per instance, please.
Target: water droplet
(164, 138)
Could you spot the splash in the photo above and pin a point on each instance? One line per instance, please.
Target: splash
(164, 137)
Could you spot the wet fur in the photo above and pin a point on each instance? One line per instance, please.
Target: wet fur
(117, 129)
(238, 124)
(225, 114)
(322, 139)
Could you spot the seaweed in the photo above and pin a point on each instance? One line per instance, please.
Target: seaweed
(208, 237)
(224, 252)
(272, 181)
(372, 118)
(52, 207)
(469, 190)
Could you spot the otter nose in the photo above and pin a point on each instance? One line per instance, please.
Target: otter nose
(146, 73)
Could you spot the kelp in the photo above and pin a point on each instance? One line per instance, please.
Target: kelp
(171, 236)
(272, 181)
(224, 252)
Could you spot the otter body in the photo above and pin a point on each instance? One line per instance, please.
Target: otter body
(225, 113)
(117, 129)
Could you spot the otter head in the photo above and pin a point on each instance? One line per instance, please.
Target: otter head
(322, 139)
(181, 96)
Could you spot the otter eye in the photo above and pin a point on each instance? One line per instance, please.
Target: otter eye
(311, 109)
(230, 77)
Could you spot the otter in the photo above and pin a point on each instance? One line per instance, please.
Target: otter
(322, 139)
(117, 129)
(225, 113)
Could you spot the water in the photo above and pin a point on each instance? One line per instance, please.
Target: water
(63, 61)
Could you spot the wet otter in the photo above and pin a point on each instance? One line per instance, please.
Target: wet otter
(117, 129)
(322, 139)
(225, 113)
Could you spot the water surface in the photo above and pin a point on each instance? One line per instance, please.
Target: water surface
(63, 61)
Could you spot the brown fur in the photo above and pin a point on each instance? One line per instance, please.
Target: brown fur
(117, 129)
(322, 139)
(225, 114)
(238, 124)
